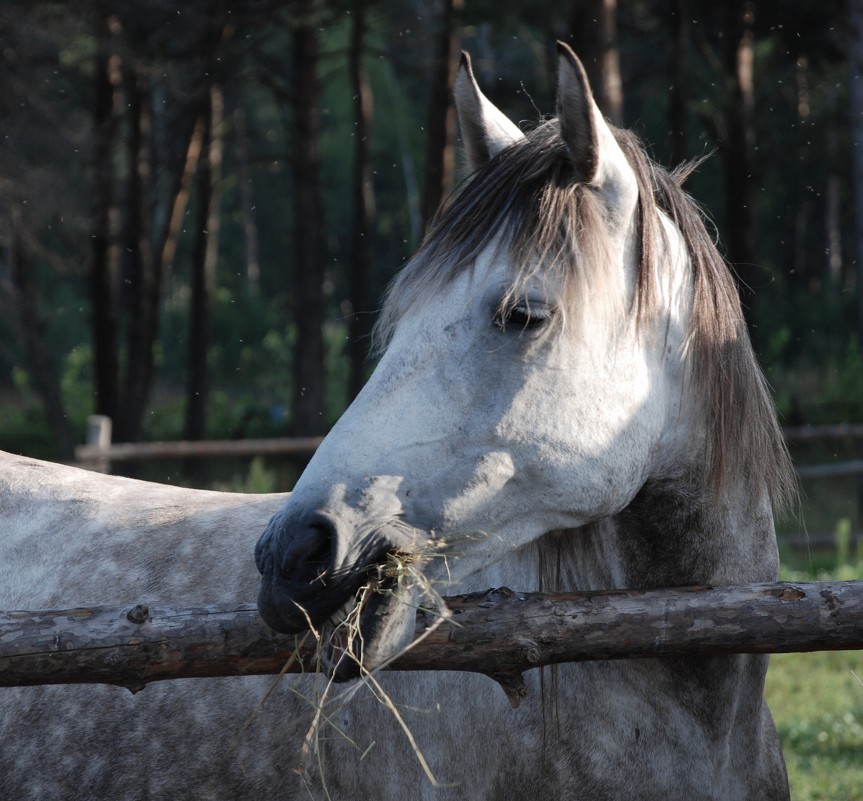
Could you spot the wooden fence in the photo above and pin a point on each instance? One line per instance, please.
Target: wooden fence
(759, 619)
(99, 451)
(500, 633)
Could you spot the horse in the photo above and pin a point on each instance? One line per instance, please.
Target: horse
(566, 399)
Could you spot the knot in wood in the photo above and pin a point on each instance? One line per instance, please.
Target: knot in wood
(791, 594)
(140, 613)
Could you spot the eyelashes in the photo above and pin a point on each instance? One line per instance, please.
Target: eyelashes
(522, 315)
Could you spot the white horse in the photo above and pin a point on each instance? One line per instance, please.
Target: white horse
(566, 400)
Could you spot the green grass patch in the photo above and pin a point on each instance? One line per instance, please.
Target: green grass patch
(817, 702)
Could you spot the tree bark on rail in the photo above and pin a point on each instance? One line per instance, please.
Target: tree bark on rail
(499, 633)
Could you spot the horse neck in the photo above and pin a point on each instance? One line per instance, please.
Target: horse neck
(673, 533)
(677, 532)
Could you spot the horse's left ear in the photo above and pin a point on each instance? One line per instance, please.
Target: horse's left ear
(485, 129)
(595, 154)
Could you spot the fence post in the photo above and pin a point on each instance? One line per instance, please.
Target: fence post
(99, 429)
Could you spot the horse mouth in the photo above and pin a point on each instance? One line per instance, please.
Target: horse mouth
(369, 630)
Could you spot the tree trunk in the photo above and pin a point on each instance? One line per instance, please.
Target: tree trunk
(309, 367)
(799, 272)
(359, 322)
(141, 281)
(247, 203)
(441, 128)
(678, 92)
(499, 633)
(147, 248)
(168, 237)
(834, 266)
(104, 279)
(855, 68)
(593, 34)
(31, 328)
(737, 152)
(204, 259)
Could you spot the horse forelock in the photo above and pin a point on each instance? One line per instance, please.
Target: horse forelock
(527, 199)
(528, 202)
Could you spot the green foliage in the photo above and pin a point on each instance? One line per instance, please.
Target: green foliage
(258, 479)
(76, 385)
(828, 564)
(25, 430)
(25, 426)
(806, 313)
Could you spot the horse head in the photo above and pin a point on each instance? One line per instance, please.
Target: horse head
(534, 376)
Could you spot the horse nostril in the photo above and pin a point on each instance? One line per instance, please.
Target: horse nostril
(302, 585)
(314, 560)
(305, 555)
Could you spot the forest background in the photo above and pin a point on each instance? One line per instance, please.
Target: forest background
(201, 203)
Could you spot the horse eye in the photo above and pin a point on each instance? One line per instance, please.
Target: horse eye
(522, 316)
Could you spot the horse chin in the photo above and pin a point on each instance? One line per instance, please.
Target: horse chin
(379, 628)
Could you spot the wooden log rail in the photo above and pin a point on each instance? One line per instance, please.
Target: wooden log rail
(499, 633)
(99, 451)
(182, 449)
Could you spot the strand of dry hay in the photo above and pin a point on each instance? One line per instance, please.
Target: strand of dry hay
(346, 639)
(402, 568)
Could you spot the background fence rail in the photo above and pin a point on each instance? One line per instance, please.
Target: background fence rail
(99, 451)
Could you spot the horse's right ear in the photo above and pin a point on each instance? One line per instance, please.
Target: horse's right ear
(485, 129)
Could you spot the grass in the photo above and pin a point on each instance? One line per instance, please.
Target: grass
(817, 702)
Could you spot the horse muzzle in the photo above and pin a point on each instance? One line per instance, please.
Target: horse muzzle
(314, 576)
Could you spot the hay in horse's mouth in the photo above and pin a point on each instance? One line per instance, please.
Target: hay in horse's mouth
(389, 588)
(351, 636)
(377, 622)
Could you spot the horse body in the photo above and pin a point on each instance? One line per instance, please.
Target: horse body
(115, 540)
(567, 400)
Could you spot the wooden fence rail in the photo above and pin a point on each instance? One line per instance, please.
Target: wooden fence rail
(182, 449)
(99, 451)
(815, 433)
(500, 633)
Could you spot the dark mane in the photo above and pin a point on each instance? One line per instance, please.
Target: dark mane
(527, 196)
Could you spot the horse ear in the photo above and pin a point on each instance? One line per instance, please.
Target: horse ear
(575, 114)
(485, 129)
(594, 151)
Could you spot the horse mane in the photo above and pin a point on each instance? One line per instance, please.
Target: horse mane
(528, 199)
(744, 436)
